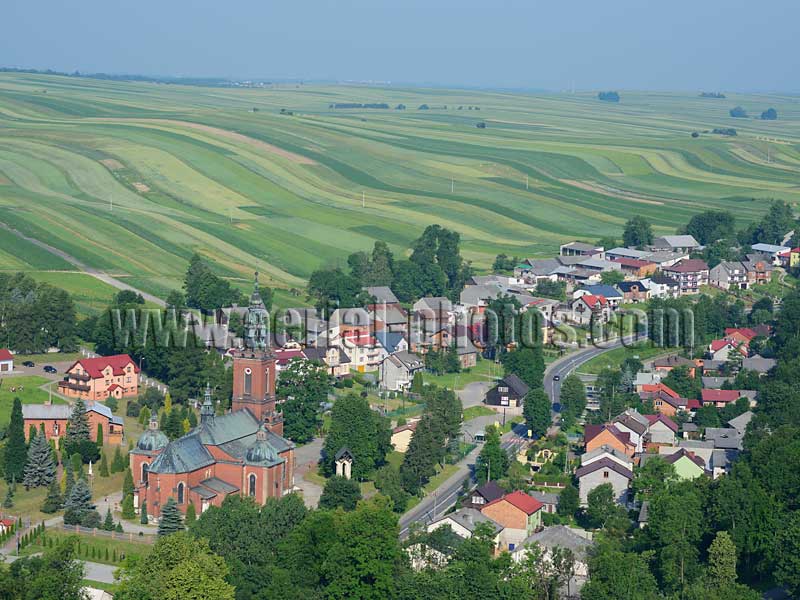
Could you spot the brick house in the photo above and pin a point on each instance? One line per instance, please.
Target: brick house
(101, 377)
(54, 418)
(242, 452)
(518, 513)
(635, 267)
(595, 436)
(634, 291)
(590, 307)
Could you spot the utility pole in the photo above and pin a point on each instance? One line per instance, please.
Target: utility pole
(452, 185)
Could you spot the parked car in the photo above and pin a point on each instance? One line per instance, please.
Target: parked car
(50, 369)
(28, 363)
(556, 377)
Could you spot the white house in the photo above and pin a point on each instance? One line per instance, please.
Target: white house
(6, 361)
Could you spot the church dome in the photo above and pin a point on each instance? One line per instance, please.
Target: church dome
(261, 450)
(152, 439)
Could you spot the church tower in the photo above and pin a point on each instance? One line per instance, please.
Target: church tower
(256, 322)
(254, 387)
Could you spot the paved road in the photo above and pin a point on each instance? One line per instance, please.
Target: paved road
(104, 277)
(306, 458)
(438, 503)
(473, 393)
(564, 366)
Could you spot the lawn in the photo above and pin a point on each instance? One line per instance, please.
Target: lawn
(91, 295)
(31, 393)
(614, 358)
(484, 370)
(474, 412)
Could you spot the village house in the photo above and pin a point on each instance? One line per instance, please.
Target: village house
(464, 521)
(396, 371)
(691, 275)
(6, 361)
(676, 243)
(609, 292)
(333, 357)
(242, 452)
(101, 377)
(560, 536)
(519, 515)
(53, 418)
(661, 431)
(486, 493)
(667, 363)
(759, 269)
(634, 253)
(661, 286)
(382, 294)
(595, 436)
(719, 398)
(729, 275)
(740, 335)
(687, 464)
(402, 434)
(588, 309)
(532, 271)
(636, 268)
(759, 364)
(633, 291)
(509, 391)
(607, 452)
(581, 249)
(771, 251)
(549, 500)
(601, 472)
(634, 424)
(724, 350)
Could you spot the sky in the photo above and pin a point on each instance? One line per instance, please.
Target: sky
(712, 45)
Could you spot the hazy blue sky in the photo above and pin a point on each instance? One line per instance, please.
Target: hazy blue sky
(645, 44)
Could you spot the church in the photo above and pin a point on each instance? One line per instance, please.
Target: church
(242, 452)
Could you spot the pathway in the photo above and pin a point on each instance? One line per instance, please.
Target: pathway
(104, 277)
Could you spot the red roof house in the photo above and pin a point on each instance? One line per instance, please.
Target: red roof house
(719, 398)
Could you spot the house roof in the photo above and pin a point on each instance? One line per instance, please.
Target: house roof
(490, 491)
(560, 536)
(409, 360)
(726, 438)
(603, 463)
(434, 303)
(628, 252)
(95, 366)
(607, 291)
(720, 395)
(627, 286)
(673, 360)
(654, 388)
(769, 248)
(470, 518)
(745, 332)
(633, 420)
(740, 423)
(583, 246)
(382, 294)
(664, 280)
(5, 355)
(592, 431)
(717, 345)
(688, 265)
(519, 500)
(390, 340)
(46, 412)
(591, 300)
(605, 449)
(758, 363)
(677, 241)
(673, 458)
(714, 382)
(516, 384)
(653, 419)
(633, 263)
(545, 497)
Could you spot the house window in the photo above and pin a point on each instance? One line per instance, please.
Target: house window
(251, 486)
(56, 429)
(511, 547)
(145, 470)
(605, 474)
(180, 493)
(248, 381)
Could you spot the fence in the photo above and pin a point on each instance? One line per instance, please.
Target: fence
(114, 535)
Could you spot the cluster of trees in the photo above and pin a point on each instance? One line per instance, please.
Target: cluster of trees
(436, 437)
(638, 232)
(504, 263)
(692, 324)
(304, 386)
(358, 105)
(35, 316)
(205, 290)
(608, 96)
(711, 95)
(355, 426)
(435, 268)
(443, 361)
(56, 573)
(729, 131)
(738, 112)
(156, 341)
(769, 115)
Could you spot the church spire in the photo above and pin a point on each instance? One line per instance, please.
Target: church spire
(207, 410)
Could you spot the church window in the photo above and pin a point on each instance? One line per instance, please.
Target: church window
(180, 493)
(251, 487)
(145, 469)
(248, 381)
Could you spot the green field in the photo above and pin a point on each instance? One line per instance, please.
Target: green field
(132, 178)
(31, 393)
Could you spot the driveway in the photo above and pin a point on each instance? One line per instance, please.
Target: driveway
(306, 459)
(474, 393)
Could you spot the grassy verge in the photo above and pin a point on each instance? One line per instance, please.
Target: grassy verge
(484, 370)
(474, 412)
(442, 475)
(27, 389)
(615, 357)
